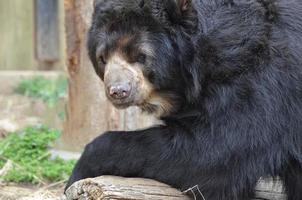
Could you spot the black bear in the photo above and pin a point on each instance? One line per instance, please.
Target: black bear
(224, 76)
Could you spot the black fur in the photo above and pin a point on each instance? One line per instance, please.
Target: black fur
(236, 69)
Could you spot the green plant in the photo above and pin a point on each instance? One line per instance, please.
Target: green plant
(48, 90)
(31, 160)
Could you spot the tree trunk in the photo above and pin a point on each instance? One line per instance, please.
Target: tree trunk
(88, 113)
(118, 188)
(84, 112)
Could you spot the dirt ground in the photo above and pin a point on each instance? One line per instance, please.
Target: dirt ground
(29, 192)
(17, 112)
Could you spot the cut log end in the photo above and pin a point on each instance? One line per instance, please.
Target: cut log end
(118, 188)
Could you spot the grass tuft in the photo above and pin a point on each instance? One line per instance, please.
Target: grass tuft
(27, 150)
(50, 91)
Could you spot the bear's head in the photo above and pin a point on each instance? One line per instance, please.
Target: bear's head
(141, 50)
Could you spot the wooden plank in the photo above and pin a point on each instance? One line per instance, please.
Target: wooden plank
(119, 188)
(47, 30)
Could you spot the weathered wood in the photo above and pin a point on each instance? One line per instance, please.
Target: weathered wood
(86, 107)
(118, 188)
(47, 30)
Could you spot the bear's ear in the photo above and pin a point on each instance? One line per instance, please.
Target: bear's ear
(95, 2)
(179, 8)
(183, 5)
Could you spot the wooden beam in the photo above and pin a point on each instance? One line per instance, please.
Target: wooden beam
(118, 188)
(47, 30)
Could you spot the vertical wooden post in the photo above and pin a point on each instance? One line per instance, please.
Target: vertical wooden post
(47, 32)
(86, 110)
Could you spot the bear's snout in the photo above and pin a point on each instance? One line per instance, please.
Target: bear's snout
(119, 90)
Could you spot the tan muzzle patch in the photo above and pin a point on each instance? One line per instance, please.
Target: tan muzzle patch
(143, 94)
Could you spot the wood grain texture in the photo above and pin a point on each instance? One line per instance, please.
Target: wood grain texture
(86, 107)
(118, 188)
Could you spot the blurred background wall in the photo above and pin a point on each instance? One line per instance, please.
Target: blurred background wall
(32, 35)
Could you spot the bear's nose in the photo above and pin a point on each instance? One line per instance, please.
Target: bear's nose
(120, 91)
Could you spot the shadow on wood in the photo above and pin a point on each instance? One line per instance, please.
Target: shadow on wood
(118, 188)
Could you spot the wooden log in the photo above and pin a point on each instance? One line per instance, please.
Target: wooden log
(118, 188)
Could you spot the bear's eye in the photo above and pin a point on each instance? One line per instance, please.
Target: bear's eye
(151, 77)
(102, 59)
(141, 58)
